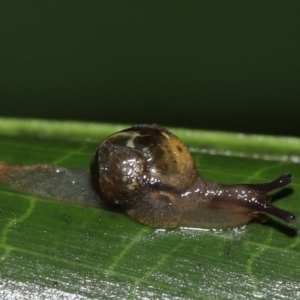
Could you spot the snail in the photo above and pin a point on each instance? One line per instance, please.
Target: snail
(151, 175)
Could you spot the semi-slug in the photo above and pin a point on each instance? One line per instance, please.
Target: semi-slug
(148, 172)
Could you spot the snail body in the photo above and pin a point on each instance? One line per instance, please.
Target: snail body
(150, 174)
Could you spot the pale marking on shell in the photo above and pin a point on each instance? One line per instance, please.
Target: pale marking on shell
(131, 135)
(167, 136)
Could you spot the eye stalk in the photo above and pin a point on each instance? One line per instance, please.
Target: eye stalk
(241, 202)
(271, 186)
(263, 199)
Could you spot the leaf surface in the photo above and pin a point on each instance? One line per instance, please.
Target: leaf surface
(57, 250)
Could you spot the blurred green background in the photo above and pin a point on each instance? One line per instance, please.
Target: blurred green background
(225, 65)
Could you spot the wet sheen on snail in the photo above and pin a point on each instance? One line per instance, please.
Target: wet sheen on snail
(148, 172)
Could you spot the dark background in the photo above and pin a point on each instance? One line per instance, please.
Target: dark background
(225, 65)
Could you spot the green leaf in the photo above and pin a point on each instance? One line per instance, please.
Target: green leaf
(55, 250)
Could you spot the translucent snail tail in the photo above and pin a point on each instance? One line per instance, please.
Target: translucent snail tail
(67, 185)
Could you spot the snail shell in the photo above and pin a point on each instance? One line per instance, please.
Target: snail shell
(151, 175)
